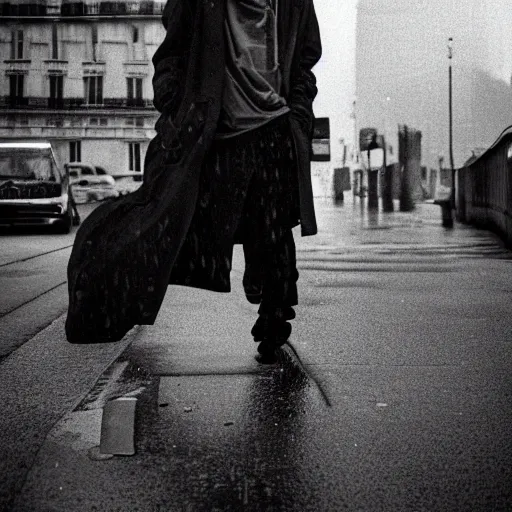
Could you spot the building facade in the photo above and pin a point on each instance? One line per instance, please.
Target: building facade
(79, 75)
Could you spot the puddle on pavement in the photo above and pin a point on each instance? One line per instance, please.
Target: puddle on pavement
(223, 440)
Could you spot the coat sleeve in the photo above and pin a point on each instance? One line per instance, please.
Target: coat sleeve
(303, 88)
(170, 58)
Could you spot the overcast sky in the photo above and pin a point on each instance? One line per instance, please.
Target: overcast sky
(488, 46)
(336, 70)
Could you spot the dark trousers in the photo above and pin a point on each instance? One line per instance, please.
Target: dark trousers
(270, 277)
(248, 194)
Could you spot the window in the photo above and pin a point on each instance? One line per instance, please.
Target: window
(16, 89)
(57, 121)
(93, 7)
(75, 151)
(93, 90)
(56, 91)
(138, 48)
(134, 156)
(135, 121)
(134, 86)
(55, 42)
(17, 44)
(98, 121)
(94, 29)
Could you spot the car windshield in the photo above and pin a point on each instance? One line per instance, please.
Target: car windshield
(22, 164)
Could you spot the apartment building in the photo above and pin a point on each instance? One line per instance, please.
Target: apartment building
(79, 74)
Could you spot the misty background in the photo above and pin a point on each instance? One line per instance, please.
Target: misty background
(385, 63)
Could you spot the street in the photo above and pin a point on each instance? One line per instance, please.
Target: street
(33, 281)
(393, 394)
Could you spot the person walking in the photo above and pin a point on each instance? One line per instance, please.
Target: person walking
(230, 164)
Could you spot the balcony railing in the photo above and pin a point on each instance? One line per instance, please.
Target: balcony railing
(55, 67)
(135, 102)
(36, 8)
(56, 103)
(16, 66)
(136, 68)
(14, 8)
(110, 8)
(94, 68)
(7, 102)
(13, 102)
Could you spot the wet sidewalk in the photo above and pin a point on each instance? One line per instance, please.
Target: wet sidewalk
(394, 393)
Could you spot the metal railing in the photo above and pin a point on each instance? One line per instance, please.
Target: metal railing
(484, 189)
(38, 103)
(77, 8)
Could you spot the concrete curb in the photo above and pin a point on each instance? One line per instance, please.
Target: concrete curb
(39, 398)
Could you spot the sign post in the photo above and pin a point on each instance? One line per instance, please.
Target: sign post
(368, 139)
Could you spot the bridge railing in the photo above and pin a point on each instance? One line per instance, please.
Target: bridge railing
(484, 189)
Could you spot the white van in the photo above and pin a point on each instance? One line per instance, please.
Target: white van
(34, 189)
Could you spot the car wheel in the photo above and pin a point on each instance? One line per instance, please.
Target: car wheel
(64, 226)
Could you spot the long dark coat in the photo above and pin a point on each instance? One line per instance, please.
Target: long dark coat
(124, 252)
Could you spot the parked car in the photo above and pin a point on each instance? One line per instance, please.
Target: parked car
(91, 182)
(34, 188)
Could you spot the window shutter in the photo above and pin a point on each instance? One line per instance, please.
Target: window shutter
(130, 88)
(139, 88)
(100, 89)
(55, 42)
(60, 87)
(137, 157)
(21, 80)
(20, 44)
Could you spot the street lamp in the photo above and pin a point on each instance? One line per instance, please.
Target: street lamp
(386, 115)
(450, 109)
(387, 189)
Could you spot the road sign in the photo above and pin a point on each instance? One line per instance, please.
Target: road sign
(367, 139)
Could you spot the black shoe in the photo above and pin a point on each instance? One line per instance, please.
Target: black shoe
(289, 313)
(267, 352)
(267, 326)
(253, 298)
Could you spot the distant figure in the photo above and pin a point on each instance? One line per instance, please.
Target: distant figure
(230, 164)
